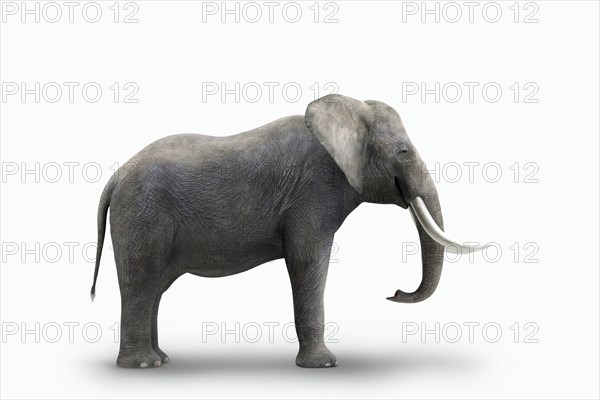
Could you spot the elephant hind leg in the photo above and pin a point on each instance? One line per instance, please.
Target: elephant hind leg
(144, 268)
(154, 328)
(136, 337)
(140, 296)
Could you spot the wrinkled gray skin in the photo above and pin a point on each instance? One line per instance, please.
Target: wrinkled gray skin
(217, 206)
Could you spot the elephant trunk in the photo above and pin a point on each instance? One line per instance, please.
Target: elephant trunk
(417, 190)
(432, 252)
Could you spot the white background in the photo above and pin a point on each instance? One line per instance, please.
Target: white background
(374, 51)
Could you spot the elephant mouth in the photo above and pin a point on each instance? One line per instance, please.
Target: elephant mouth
(421, 216)
(403, 202)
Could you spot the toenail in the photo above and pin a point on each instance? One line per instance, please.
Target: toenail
(328, 364)
(166, 360)
(157, 363)
(144, 365)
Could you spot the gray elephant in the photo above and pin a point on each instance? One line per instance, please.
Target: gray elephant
(217, 206)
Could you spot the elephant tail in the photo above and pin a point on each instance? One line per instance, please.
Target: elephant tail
(102, 212)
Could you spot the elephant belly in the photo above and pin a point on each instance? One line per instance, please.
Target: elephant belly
(223, 259)
(221, 252)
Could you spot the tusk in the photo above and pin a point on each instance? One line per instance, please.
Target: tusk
(419, 211)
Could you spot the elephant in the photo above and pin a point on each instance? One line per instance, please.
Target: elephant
(218, 206)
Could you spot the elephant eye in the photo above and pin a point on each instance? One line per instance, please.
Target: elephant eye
(402, 150)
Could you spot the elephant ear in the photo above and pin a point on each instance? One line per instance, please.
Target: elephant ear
(341, 124)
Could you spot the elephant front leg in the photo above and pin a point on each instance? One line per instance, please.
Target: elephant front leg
(307, 268)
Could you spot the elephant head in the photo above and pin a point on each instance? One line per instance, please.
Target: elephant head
(369, 143)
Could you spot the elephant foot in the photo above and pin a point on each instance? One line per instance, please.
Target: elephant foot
(320, 357)
(163, 356)
(139, 359)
